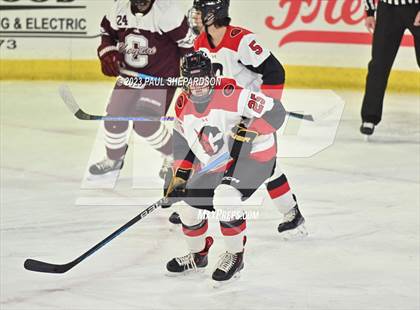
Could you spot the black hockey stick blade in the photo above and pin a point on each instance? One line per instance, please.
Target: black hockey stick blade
(71, 103)
(80, 114)
(306, 117)
(38, 266)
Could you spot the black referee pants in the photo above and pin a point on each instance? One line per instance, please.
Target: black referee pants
(391, 22)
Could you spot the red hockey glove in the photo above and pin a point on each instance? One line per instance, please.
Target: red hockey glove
(111, 62)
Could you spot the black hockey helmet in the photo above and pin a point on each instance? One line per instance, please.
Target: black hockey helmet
(196, 64)
(212, 10)
(196, 67)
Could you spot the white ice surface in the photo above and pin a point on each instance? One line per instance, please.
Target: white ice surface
(360, 200)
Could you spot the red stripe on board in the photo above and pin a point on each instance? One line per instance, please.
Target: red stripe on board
(311, 36)
(279, 191)
(234, 230)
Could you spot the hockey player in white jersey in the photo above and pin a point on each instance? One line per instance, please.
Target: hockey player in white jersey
(211, 121)
(236, 52)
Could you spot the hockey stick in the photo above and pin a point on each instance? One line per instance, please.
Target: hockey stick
(71, 103)
(40, 266)
(306, 117)
(172, 82)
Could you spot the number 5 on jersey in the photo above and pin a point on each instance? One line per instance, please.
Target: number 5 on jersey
(256, 47)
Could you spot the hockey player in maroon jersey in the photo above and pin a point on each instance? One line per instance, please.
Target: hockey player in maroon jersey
(237, 53)
(211, 121)
(149, 37)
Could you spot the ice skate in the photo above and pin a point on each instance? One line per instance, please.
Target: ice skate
(105, 166)
(292, 226)
(192, 262)
(367, 129)
(228, 269)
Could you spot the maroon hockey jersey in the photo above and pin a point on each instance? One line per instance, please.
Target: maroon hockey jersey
(152, 43)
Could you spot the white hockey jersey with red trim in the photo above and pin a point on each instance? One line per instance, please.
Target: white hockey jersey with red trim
(238, 48)
(207, 133)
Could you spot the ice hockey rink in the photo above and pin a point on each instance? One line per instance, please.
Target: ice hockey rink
(360, 200)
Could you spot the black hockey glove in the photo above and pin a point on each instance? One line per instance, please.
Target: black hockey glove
(240, 141)
(175, 188)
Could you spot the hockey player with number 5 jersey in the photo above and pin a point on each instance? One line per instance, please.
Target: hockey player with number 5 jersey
(234, 51)
(213, 120)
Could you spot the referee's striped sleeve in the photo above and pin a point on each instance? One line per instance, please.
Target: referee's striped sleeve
(370, 7)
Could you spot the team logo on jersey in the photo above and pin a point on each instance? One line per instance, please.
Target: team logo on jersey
(228, 90)
(180, 102)
(136, 50)
(235, 32)
(211, 139)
